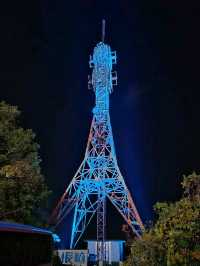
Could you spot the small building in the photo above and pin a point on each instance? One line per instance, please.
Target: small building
(114, 251)
(25, 245)
(73, 257)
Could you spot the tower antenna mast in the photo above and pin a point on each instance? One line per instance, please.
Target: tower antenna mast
(103, 30)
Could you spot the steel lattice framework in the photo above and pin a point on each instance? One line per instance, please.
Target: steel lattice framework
(98, 177)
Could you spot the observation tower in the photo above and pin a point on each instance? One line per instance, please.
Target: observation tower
(98, 178)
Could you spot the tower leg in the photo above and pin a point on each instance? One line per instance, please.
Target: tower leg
(83, 213)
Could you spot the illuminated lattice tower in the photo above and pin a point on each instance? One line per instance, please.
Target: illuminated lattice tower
(98, 177)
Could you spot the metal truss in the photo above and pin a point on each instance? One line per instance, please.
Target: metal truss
(98, 177)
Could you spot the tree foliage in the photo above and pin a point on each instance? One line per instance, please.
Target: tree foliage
(175, 238)
(22, 186)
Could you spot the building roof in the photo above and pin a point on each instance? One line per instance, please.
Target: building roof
(107, 240)
(23, 228)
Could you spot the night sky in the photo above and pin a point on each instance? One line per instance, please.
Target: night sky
(44, 52)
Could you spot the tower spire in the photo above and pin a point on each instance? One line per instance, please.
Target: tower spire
(103, 30)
